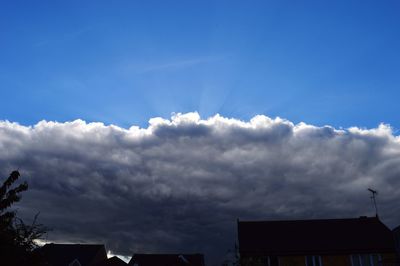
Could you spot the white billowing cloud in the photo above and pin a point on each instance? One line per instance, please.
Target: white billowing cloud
(180, 184)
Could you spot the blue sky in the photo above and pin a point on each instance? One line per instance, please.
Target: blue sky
(123, 62)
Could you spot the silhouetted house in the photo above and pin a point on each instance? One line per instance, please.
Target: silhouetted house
(396, 233)
(113, 261)
(332, 242)
(73, 254)
(167, 260)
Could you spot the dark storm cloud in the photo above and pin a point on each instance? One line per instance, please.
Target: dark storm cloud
(180, 184)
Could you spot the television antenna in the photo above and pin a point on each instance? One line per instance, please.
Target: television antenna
(374, 193)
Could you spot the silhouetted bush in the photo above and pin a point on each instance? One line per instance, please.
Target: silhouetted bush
(17, 239)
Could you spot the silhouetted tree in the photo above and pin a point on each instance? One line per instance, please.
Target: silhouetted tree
(17, 239)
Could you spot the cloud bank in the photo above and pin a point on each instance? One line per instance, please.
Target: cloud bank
(180, 184)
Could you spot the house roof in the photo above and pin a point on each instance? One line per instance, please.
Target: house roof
(396, 230)
(167, 260)
(113, 261)
(396, 234)
(329, 236)
(63, 254)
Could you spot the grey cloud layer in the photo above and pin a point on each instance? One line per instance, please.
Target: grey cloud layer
(180, 184)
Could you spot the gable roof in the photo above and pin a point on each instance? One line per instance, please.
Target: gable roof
(113, 261)
(329, 236)
(64, 254)
(167, 260)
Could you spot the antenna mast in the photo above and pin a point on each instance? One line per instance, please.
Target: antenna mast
(374, 192)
